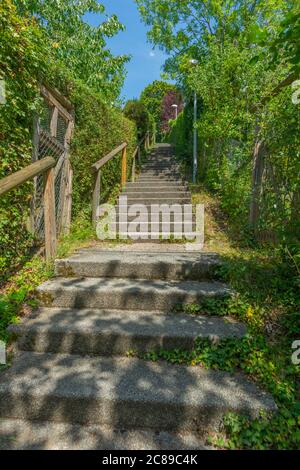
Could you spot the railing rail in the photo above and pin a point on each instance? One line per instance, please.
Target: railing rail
(41, 167)
(96, 169)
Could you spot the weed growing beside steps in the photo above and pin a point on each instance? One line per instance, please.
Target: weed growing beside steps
(17, 292)
(267, 300)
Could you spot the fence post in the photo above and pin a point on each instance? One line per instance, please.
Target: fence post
(139, 156)
(54, 121)
(96, 196)
(124, 166)
(67, 203)
(49, 214)
(133, 169)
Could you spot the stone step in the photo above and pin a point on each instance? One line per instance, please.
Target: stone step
(116, 332)
(19, 434)
(147, 225)
(145, 193)
(157, 237)
(164, 167)
(157, 186)
(160, 179)
(162, 174)
(146, 208)
(146, 216)
(156, 227)
(158, 200)
(125, 393)
(169, 266)
(119, 293)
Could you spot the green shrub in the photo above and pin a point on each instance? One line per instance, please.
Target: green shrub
(98, 130)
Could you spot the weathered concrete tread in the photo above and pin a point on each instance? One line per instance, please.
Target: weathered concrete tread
(115, 332)
(138, 265)
(119, 293)
(17, 434)
(125, 392)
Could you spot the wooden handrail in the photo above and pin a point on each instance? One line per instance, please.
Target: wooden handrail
(96, 169)
(16, 179)
(46, 167)
(96, 166)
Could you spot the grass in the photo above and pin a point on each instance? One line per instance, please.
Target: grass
(17, 291)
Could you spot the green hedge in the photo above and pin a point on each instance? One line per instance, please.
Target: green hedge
(22, 62)
(26, 60)
(98, 130)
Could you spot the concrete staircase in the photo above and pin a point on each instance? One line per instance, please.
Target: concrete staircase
(75, 382)
(160, 182)
(72, 381)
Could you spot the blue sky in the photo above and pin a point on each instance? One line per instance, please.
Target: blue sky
(146, 64)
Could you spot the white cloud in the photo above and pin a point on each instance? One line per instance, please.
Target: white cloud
(152, 54)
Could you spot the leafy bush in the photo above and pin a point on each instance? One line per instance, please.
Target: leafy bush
(152, 98)
(137, 112)
(27, 58)
(99, 129)
(24, 58)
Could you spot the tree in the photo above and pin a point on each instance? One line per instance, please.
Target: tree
(248, 56)
(152, 98)
(186, 28)
(168, 112)
(81, 47)
(137, 112)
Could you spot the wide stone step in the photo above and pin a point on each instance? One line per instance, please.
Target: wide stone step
(156, 227)
(157, 237)
(159, 193)
(116, 332)
(125, 393)
(165, 167)
(160, 179)
(175, 208)
(125, 293)
(157, 186)
(146, 217)
(139, 265)
(19, 434)
(158, 200)
(161, 174)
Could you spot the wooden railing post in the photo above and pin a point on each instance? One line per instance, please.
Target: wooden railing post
(49, 214)
(96, 196)
(139, 156)
(67, 203)
(124, 166)
(133, 169)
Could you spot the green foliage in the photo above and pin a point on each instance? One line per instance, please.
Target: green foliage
(267, 300)
(80, 47)
(214, 307)
(24, 61)
(281, 432)
(137, 112)
(99, 129)
(48, 42)
(152, 99)
(18, 297)
(244, 50)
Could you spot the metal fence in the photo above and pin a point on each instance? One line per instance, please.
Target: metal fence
(52, 135)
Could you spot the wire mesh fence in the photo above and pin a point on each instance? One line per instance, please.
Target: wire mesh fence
(52, 135)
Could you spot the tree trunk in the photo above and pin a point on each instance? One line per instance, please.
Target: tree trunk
(257, 176)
